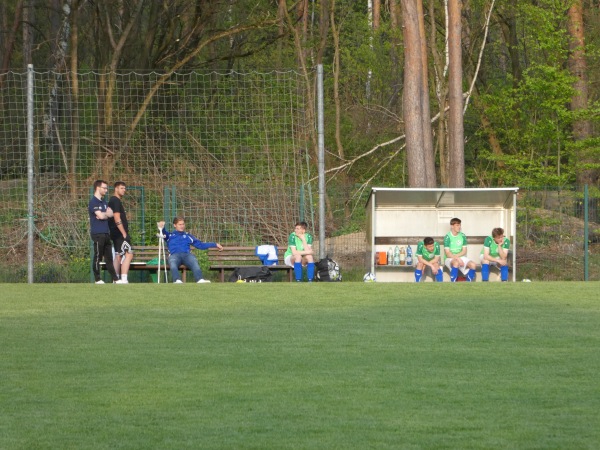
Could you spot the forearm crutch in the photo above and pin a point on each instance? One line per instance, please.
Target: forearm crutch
(161, 255)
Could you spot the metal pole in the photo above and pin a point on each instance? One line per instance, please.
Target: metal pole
(302, 203)
(513, 231)
(586, 236)
(142, 219)
(167, 204)
(321, 144)
(30, 169)
(174, 210)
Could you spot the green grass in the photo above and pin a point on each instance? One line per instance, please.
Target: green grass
(281, 366)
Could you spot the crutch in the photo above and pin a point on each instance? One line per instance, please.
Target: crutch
(161, 254)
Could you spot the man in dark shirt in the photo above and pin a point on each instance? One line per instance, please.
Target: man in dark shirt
(119, 232)
(99, 213)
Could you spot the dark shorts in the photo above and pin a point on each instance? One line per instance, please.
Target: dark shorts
(118, 244)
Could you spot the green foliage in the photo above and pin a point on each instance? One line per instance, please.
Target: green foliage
(75, 270)
(532, 122)
(545, 37)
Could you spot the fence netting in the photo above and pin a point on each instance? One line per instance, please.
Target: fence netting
(231, 153)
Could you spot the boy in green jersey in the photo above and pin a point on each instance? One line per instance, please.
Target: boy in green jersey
(300, 251)
(428, 255)
(455, 247)
(495, 253)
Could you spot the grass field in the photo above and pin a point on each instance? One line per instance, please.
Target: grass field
(282, 366)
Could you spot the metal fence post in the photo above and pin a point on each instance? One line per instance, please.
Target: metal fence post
(586, 237)
(321, 144)
(30, 177)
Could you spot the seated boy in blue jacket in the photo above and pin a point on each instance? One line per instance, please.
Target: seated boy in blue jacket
(178, 243)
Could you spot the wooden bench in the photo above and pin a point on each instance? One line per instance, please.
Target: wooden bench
(232, 257)
(142, 254)
(475, 244)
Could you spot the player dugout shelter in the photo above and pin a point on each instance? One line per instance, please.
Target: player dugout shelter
(405, 216)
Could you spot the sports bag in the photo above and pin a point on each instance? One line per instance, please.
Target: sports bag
(251, 274)
(328, 270)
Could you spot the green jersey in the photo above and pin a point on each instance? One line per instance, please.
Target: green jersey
(491, 244)
(455, 243)
(295, 241)
(425, 254)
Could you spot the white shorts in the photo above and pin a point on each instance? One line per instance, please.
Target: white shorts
(464, 269)
(483, 261)
(289, 261)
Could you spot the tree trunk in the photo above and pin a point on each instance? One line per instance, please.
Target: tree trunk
(578, 68)
(413, 95)
(9, 44)
(395, 55)
(74, 100)
(28, 27)
(323, 30)
(281, 8)
(336, 80)
(371, 32)
(376, 14)
(508, 24)
(441, 92)
(456, 150)
(428, 154)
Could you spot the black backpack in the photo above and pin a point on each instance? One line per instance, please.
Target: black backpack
(328, 270)
(251, 274)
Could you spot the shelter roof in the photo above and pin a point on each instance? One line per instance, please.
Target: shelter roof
(444, 197)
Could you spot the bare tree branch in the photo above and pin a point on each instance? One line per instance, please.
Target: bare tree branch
(487, 28)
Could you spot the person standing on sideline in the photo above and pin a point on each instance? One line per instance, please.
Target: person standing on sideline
(455, 247)
(119, 232)
(178, 242)
(300, 251)
(99, 213)
(428, 254)
(495, 253)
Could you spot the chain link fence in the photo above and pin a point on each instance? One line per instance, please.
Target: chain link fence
(231, 153)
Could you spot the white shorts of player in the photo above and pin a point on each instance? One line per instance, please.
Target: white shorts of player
(289, 261)
(464, 269)
(483, 261)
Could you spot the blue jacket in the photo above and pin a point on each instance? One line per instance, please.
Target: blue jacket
(179, 242)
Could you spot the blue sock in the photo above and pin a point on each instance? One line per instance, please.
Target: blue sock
(453, 274)
(310, 271)
(439, 277)
(298, 271)
(418, 275)
(504, 273)
(485, 272)
(471, 275)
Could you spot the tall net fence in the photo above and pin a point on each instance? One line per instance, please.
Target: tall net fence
(231, 153)
(227, 151)
(552, 225)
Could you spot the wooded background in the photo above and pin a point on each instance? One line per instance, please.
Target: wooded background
(417, 93)
(526, 71)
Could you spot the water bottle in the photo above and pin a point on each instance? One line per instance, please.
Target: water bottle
(402, 256)
(409, 259)
(390, 255)
(397, 256)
